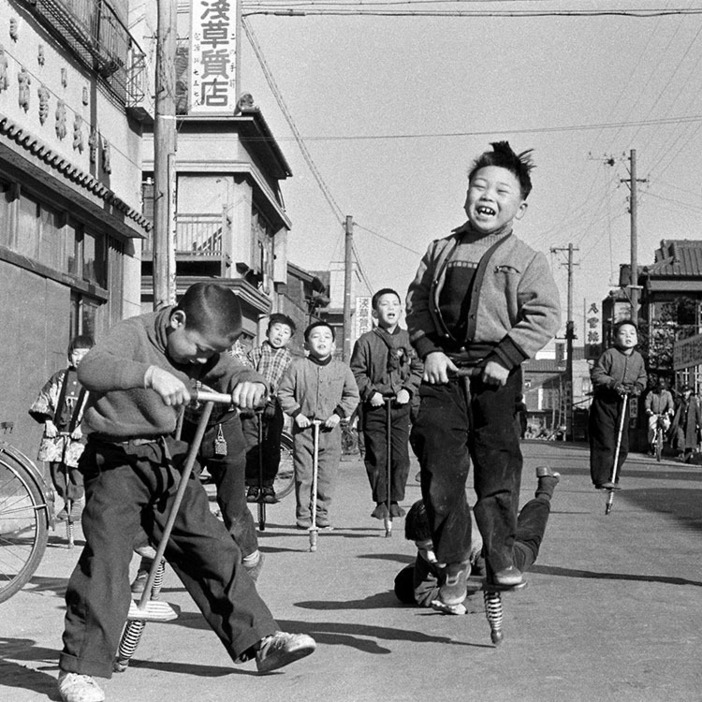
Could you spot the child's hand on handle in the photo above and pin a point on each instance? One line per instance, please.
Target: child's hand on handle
(302, 421)
(50, 429)
(376, 400)
(248, 395)
(436, 367)
(403, 397)
(172, 390)
(77, 434)
(332, 421)
(494, 374)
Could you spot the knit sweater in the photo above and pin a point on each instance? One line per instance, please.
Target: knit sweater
(372, 370)
(613, 367)
(514, 305)
(113, 371)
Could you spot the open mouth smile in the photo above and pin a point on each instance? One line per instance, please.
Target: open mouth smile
(485, 211)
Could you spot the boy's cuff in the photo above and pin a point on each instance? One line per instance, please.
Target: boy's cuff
(424, 346)
(340, 411)
(508, 354)
(295, 412)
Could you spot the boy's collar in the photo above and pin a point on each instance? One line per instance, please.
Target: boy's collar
(467, 228)
(320, 361)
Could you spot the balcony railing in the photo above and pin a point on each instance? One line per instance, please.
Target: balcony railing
(99, 40)
(198, 235)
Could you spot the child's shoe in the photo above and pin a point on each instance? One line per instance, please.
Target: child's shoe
(509, 577)
(252, 493)
(454, 591)
(79, 688)
(380, 511)
(253, 566)
(281, 649)
(548, 479)
(396, 510)
(268, 494)
(303, 523)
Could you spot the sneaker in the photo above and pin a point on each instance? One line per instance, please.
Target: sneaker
(252, 494)
(268, 495)
(454, 591)
(303, 523)
(79, 688)
(139, 582)
(396, 510)
(609, 485)
(508, 577)
(281, 649)
(546, 472)
(380, 511)
(254, 569)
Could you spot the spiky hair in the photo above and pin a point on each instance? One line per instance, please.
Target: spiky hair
(503, 156)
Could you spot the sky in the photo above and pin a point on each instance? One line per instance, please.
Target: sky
(392, 111)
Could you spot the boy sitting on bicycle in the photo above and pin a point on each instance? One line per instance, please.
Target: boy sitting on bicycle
(659, 404)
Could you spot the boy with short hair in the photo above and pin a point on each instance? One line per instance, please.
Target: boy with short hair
(420, 582)
(386, 369)
(138, 377)
(322, 388)
(485, 301)
(271, 360)
(619, 371)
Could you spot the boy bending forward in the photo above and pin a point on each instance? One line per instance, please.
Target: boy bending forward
(137, 381)
(482, 299)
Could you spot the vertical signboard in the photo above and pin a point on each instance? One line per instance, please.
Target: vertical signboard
(593, 330)
(213, 56)
(364, 318)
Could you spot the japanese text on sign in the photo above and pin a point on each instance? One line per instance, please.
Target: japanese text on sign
(687, 352)
(364, 317)
(213, 56)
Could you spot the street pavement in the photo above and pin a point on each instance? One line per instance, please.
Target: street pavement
(612, 610)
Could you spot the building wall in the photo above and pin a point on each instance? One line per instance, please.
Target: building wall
(66, 145)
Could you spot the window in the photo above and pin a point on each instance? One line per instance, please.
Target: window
(27, 235)
(83, 315)
(5, 215)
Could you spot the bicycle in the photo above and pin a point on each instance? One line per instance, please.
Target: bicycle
(26, 514)
(658, 437)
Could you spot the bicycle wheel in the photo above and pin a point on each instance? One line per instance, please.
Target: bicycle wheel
(285, 479)
(659, 444)
(24, 530)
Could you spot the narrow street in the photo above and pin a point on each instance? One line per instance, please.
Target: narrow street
(611, 610)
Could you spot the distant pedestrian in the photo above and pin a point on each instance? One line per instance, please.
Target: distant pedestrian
(317, 388)
(387, 370)
(59, 407)
(619, 372)
(686, 424)
(659, 405)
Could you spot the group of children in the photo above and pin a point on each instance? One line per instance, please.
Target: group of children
(481, 303)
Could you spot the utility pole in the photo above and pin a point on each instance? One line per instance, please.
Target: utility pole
(570, 336)
(634, 287)
(348, 269)
(164, 268)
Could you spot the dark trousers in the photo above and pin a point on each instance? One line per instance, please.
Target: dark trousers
(130, 488)
(455, 424)
(228, 473)
(269, 450)
(375, 437)
(67, 481)
(603, 428)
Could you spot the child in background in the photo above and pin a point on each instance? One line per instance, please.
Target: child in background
(317, 387)
(420, 582)
(485, 301)
(384, 363)
(139, 377)
(686, 424)
(59, 407)
(619, 371)
(271, 360)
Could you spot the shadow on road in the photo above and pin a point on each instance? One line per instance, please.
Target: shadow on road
(571, 573)
(17, 675)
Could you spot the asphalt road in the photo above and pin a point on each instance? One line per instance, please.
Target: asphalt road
(612, 611)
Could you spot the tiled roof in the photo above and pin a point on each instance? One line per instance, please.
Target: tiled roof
(679, 258)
